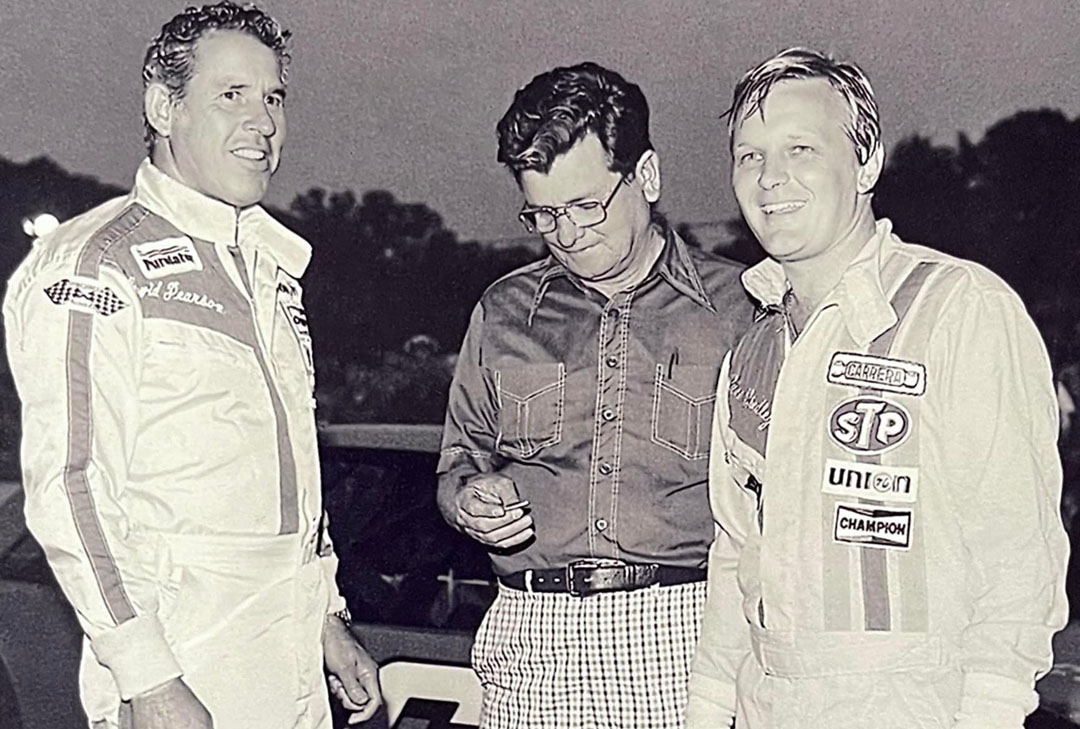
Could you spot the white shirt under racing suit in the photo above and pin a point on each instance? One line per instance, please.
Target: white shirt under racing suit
(161, 352)
(886, 487)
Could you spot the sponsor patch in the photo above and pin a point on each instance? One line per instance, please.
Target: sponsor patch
(870, 481)
(879, 373)
(868, 527)
(289, 298)
(85, 295)
(166, 257)
(867, 425)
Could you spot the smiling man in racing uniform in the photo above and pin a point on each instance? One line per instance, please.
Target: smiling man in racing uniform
(161, 352)
(884, 474)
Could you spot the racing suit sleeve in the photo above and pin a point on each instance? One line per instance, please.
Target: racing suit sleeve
(73, 346)
(725, 636)
(328, 560)
(471, 427)
(1004, 476)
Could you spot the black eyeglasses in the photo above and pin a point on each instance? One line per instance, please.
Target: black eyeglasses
(583, 214)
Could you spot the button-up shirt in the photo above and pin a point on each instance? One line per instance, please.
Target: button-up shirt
(598, 409)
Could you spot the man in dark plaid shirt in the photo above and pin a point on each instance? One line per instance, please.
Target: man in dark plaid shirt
(578, 426)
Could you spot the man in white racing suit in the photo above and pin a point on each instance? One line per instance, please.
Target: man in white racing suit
(884, 476)
(161, 352)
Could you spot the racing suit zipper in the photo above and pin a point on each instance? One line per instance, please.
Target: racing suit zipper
(289, 516)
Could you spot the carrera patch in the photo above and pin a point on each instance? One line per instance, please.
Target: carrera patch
(85, 295)
(882, 528)
(166, 257)
(870, 481)
(879, 373)
(868, 425)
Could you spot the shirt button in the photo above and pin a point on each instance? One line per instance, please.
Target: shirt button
(612, 361)
(608, 414)
(601, 525)
(605, 468)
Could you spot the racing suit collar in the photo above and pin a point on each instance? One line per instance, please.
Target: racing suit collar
(859, 294)
(212, 220)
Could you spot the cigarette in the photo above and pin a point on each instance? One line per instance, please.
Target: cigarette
(516, 505)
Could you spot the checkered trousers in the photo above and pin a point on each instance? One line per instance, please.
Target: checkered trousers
(615, 660)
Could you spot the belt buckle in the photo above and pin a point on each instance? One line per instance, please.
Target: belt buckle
(581, 565)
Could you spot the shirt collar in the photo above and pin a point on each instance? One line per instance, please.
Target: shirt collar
(859, 294)
(674, 266)
(207, 219)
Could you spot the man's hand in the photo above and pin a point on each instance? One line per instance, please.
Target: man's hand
(171, 705)
(477, 508)
(354, 676)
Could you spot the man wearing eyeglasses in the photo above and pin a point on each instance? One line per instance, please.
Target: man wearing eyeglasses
(578, 426)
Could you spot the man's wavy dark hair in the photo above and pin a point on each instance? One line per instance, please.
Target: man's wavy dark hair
(556, 109)
(170, 57)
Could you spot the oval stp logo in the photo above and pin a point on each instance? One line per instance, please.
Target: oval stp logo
(869, 425)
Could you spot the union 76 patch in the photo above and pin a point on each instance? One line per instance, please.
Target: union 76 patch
(85, 295)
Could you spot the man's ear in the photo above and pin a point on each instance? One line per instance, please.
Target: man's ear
(158, 107)
(869, 173)
(647, 171)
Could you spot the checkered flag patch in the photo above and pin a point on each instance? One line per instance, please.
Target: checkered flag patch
(90, 297)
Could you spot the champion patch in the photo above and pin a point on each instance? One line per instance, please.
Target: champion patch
(878, 373)
(870, 481)
(166, 257)
(881, 528)
(868, 425)
(85, 295)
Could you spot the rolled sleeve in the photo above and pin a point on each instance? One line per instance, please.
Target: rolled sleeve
(470, 431)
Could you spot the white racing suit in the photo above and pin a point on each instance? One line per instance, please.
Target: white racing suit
(161, 353)
(890, 553)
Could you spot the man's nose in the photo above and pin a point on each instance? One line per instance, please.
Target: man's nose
(261, 121)
(566, 233)
(774, 172)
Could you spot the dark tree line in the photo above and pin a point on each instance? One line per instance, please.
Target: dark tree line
(390, 287)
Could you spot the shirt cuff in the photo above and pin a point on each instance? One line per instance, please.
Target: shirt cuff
(137, 654)
(990, 701)
(710, 704)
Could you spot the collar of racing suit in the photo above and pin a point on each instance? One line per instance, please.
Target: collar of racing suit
(860, 295)
(212, 220)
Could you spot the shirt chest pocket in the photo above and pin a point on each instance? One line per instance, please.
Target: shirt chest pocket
(682, 409)
(531, 407)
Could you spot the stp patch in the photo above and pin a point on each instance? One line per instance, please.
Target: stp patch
(868, 425)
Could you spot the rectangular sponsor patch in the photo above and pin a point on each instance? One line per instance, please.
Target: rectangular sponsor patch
(871, 527)
(290, 300)
(166, 257)
(83, 294)
(870, 481)
(879, 373)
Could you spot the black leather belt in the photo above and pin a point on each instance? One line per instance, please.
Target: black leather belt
(587, 577)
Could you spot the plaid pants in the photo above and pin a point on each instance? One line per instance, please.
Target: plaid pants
(609, 661)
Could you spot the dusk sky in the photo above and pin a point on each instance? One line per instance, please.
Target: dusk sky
(403, 95)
